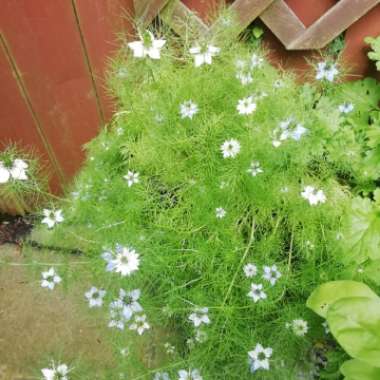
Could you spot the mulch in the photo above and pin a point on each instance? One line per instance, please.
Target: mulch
(13, 229)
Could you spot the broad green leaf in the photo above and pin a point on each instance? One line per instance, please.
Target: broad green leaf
(326, 294)
(257, 32)
(365, 95)
(363, 92)
(358, 370)
(372, 271)
(362, 235)
(375, 54)
(355, 324)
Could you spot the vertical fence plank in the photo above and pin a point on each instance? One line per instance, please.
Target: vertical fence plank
(16, 121)
(103, 26)
(47, 49)
(355, 53)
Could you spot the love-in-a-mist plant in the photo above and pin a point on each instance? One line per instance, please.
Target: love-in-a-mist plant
(21, 182)
(214, 199)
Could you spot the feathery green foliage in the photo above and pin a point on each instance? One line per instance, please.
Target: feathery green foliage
(189, 257)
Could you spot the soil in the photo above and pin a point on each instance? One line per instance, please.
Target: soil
(37, 324)
(14, 228)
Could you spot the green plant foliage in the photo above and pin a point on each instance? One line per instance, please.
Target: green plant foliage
(358, 370)
(362, 237)
(336, 46)
(200, 211)
(355, 324)
(328, 293)
(374, 55)
(352, 311)
(257, 32)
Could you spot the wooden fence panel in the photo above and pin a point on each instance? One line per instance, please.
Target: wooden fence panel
(279, 18)
(102, 24)
(16, 120)
(47, 48)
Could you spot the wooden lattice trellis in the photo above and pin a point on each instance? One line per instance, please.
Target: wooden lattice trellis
(276, 14)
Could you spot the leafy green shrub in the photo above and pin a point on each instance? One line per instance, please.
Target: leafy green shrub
(352, 311)
(220, 193)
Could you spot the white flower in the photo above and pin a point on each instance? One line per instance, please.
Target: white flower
(256, 61)
(50, 278)
(298, 132)
(257, 292)
(52, 217)
(250, 270)
(161, 376)
(140, 324)
(132, 178)
(108, 257)
(271, 274)
(244, 77)
(313, 195)
(4, 173)
(18, 170)
(259, 357)
(95, 296)
(130, 300)
(220, 212)
(200, 316)
(123, 308)
(246, 105)
(346, 107)
(117, 315)
(326, 327)
(147, 46)
(203, 55)
(288, 128)
(243, 72)
(188, 109)
(191, 374)
(278, 83)
(56, 373)
(255, 169)
(170, 349)
(230, 148)
(299, 327)
(124, 351)
(326, 70)
(124, 260)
